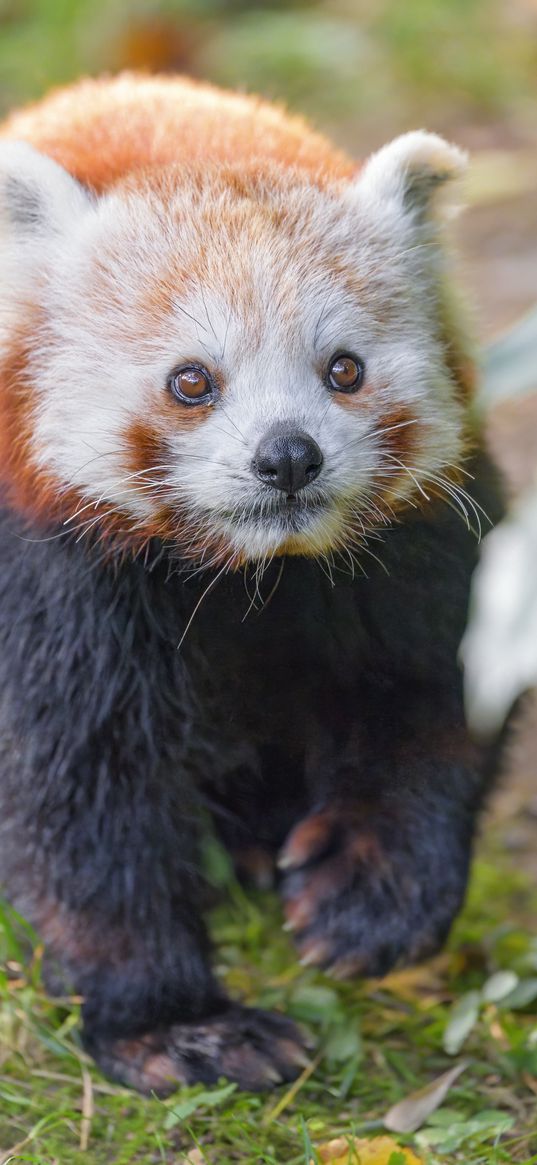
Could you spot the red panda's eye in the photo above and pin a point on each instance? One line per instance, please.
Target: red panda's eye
(346, 373)
(192, 385)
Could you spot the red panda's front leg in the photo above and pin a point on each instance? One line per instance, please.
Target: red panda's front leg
(373, 879)
(99, 821)
(117, 906)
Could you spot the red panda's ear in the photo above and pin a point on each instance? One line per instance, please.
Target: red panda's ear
(409, 171)
(38, 198)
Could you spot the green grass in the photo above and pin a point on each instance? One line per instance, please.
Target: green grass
(376, 1044)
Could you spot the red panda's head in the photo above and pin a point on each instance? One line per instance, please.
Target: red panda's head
(244, 363)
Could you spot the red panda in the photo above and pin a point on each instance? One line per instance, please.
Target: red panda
(225, 348)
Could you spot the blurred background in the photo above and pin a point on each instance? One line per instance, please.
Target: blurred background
(365, 70)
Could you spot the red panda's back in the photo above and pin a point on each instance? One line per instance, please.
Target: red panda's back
(102, 130)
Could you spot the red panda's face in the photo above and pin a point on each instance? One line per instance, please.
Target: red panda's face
(245, 367)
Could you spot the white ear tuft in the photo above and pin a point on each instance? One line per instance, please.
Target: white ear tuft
(38, 198)
(410, 169)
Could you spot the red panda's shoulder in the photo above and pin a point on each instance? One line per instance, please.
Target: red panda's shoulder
(104, 129)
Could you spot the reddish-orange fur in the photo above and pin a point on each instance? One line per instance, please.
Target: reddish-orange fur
(102, 130)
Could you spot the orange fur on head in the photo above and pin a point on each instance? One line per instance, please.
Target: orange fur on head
(101, 131)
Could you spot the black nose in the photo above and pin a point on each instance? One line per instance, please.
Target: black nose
(287, 460)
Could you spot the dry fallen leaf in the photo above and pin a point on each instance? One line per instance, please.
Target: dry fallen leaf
(409, 1114)
(353, 1151)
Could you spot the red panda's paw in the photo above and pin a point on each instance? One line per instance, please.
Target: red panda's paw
(357, 895)
(254, 1049)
